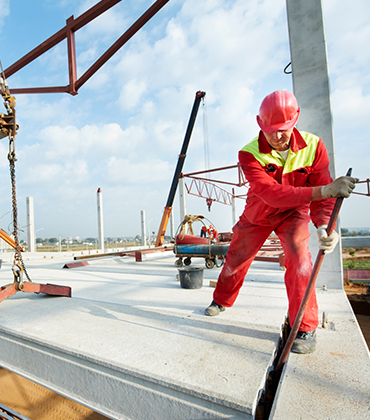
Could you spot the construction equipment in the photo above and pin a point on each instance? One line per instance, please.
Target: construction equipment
(180, 163)
(19, 269)
(310, 286)
(10, 241)
(214, 254)
(188, 245)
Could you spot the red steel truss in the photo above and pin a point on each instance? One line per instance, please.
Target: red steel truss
(367, 181)
(208, 188)
(68, 32)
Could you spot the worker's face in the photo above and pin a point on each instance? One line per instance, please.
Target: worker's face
(279, 140)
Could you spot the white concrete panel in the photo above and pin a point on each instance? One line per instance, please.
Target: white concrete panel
(131, 338)
(332, 382)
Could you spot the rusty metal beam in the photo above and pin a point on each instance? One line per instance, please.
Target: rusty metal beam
(121, 41)
(212, 190)
(7, 291)
(367, 181)
(72, 25)
(72, 63)
(30, 287)
(241, 179)
(208, 189)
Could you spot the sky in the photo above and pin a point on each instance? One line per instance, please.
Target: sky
(124, 130)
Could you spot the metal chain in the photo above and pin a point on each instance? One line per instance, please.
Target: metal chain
(9, 102)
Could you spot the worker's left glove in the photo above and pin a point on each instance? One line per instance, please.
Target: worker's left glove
(327, 243)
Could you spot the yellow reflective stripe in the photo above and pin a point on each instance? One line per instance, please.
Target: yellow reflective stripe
(295, 160)
(304, 157)
(263, 159)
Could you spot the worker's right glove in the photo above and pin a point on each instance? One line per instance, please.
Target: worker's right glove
(341, 187)
(327, 243)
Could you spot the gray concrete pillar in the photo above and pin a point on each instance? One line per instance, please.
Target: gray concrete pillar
(233, 208)
(311, 87)
(100, 220)
(182, 198)
(143, 228)
(172, 225)
(31, 240)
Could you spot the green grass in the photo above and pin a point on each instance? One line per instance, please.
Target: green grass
(357, 265)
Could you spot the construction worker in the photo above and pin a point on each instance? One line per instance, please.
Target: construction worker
(213, 233)
(289, 184)
(204, 231)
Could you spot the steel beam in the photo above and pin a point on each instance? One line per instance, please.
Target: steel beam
(121, 41)
(72, 25)
(31, 287)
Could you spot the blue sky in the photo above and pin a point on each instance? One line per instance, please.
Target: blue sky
(124, 130)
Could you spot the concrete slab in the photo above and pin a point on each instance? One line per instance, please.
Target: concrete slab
(132, 344)
(131, 338)
(333, 382)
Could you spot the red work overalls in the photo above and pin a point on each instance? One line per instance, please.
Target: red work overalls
(279, 199)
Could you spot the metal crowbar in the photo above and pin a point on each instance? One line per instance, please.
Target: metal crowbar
(310, 285)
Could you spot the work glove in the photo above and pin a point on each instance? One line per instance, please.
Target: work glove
(327, 243)
(341, 187)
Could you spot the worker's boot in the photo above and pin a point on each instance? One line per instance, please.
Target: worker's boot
(214, 309)
(305, 342)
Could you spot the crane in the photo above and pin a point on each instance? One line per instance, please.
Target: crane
(180, 163)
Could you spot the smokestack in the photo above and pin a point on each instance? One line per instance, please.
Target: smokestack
(100, 219)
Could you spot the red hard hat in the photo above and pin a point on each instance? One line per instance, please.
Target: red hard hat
(278, 111)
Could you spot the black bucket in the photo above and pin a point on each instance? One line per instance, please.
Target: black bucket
(191, 277)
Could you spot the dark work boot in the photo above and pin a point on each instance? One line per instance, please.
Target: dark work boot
(305, 342)
(214, 309)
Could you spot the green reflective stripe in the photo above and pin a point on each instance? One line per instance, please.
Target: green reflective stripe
(304, 157)
(295, 160)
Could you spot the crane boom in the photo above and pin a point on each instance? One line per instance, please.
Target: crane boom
(180, 163)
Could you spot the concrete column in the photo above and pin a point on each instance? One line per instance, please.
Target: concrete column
(233, 208)
(182, 198)
(100, 220)
(143, 228)
(311, 87)
(172, 225)
(31, 240)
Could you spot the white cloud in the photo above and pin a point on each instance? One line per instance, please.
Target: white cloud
(352, 106)
(136, 172)
(124, 130)
(131, 93)
(4, 7)
(44, 173)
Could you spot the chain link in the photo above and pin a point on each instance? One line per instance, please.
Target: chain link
(9, 102)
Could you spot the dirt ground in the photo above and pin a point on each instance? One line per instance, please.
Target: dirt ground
(357, 294)
(38, 403)
(360, 254)
(360, 303)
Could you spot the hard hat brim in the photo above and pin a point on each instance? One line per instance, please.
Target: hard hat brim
(269, 128)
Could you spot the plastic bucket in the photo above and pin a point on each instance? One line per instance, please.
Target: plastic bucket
(191, 277)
